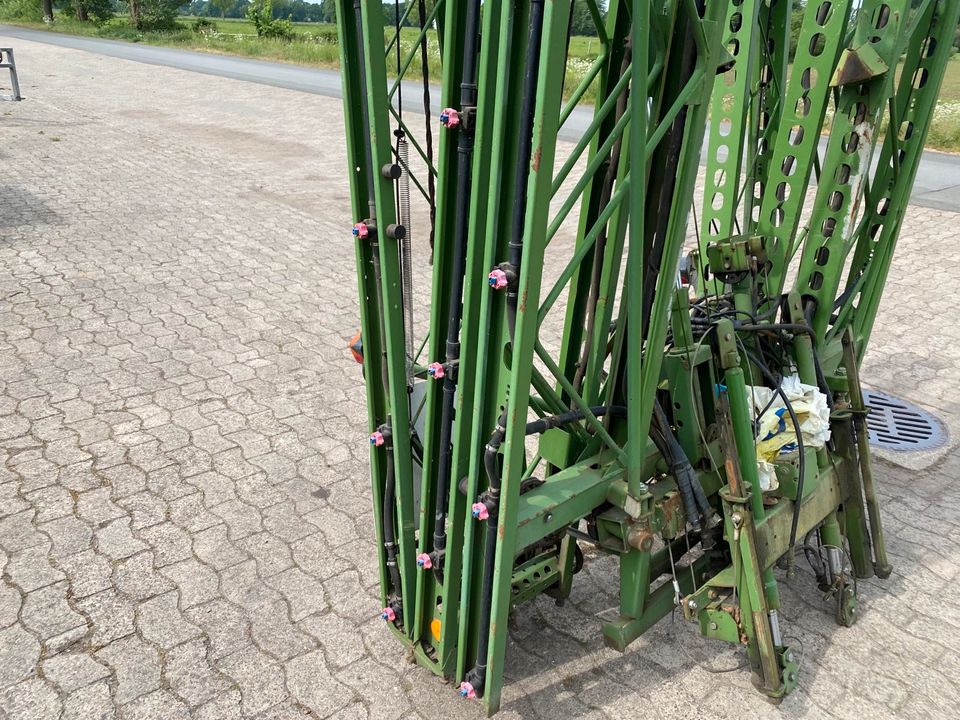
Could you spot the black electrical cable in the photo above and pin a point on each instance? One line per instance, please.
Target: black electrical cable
(801, 450)
(675, 136)
(821, 378)
(789, 327)
(812, 553)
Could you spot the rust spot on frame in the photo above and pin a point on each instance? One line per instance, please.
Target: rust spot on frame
(536, 160)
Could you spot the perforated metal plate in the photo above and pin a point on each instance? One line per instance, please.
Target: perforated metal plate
(896, 424)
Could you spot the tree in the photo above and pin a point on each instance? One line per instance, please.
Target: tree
(328, 11)
(222, 6)
(260, 13)
(153, 15)
(47, 9)
(581, 21)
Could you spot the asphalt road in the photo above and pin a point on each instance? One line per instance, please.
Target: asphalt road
(937, 184)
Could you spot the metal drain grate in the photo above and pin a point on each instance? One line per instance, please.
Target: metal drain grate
(896, 424)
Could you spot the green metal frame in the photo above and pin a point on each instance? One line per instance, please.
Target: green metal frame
(636, 342)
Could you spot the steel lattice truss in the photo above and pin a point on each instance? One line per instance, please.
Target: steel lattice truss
(498, 452)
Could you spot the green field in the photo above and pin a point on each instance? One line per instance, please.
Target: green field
(315, 44)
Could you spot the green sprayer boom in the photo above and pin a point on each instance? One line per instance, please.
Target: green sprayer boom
(575, 355)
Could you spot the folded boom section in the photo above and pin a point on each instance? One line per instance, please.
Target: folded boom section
(579, 272)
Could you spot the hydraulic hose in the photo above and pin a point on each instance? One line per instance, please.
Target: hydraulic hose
(694, 498)
(468, 100)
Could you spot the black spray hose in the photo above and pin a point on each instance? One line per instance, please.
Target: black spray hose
(473, 685)
(389, 534)
(468, 101)
(670, 178)
(365, 111)
(524, 156)
(393, 612)
(371, 221)
(488, 509)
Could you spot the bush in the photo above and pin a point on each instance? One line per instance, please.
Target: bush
(204, 26)
(154, 15)
(21, 10)
(326, 36)
(260, 13)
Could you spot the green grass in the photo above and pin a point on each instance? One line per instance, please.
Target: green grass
(315, 44)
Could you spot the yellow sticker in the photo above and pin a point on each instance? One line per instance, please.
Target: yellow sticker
(435, 629)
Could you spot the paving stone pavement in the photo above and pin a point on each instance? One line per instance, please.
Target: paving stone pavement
(185, 518)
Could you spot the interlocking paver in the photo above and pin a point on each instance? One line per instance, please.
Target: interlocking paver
(185, 514)
(110, 613)
(160, 621)
(92, 702)
(19, 652)
(190, 675)
(158, 705)
(72, 671)
(259, 678)
(225, 626)
(29, 700)
(136, 667)
(47, 612)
